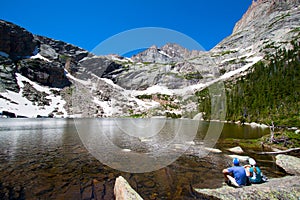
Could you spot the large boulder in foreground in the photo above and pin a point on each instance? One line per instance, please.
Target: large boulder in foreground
(278, 188)
(290, 164)
(123, 191)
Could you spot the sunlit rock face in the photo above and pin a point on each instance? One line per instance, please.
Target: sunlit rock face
(159, 81)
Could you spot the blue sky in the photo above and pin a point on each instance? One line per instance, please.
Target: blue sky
(87, 23)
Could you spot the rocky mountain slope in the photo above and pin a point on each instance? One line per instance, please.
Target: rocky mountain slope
(45, 77)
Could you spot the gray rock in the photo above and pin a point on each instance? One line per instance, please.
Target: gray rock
(123, 191)
(48, 52)
(265, 21)
(8, 79)
(266, 25)
(8, 114)
(152, 55)
(290, 164)
(62, 48)
(16, 41)
(237, 149)
(99, 66)
(261, 10)
(278, 188)
(46, 73)
(33, 95)
(176, 51)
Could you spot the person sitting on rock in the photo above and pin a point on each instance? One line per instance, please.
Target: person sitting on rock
(236, 175)
(253, 172)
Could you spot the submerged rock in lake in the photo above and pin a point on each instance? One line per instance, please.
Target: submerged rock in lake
(278, 188)
(290, 164)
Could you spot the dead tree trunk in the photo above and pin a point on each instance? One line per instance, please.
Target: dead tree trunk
(272, 128)
(279, 152)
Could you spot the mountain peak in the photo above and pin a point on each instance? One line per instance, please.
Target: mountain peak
(170, 52)
(262, 9)
(153, 47)
(175, 50)
(267, 25)
(172, 45)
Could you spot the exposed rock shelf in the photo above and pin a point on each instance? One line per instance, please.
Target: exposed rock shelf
(278, 188)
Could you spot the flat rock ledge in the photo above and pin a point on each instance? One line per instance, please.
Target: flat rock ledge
(278, 188)
(237, 149)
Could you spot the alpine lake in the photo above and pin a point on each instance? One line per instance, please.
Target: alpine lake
(52, 158)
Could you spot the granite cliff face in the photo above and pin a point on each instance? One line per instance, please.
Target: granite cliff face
(266, 26)
(15, 41)
(7, 75)
(264, 9)
(157, 82)
(31, 61)
(169, 53)
(265, 22)
(43, 72)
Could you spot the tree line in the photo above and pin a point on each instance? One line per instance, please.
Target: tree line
(270, 91)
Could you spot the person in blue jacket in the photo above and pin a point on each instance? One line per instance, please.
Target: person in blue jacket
(236, 175)
(253, 172)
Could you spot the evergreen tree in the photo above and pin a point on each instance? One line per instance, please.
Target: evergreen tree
(269, 92)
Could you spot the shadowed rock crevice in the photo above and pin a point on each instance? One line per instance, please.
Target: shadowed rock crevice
(8, 79)
(40, 71)
(15, 41)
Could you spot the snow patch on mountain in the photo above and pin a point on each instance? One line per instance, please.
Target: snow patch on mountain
(39, 56)
(164, 53)
(21, 106)
(153, 90)
(240, 70)
(88, 82)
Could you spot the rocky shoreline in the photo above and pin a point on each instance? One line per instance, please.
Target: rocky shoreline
(287, 187)
(278, 188)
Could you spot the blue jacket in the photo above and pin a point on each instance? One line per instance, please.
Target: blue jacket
(239, 174)
(256, 176)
